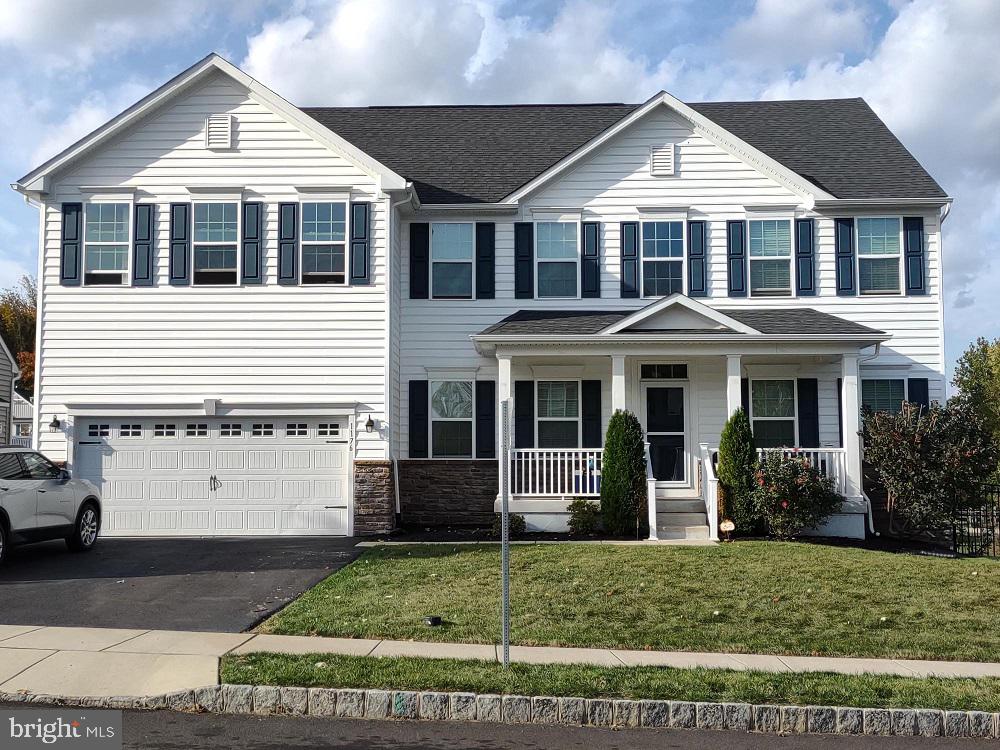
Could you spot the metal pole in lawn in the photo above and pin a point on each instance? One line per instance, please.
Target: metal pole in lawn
(505, 528)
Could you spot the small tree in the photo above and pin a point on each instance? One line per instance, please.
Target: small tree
(737, 467)
(977, 377)
(623, 477)
(932, 461)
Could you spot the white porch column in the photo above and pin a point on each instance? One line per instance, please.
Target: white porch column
(503, 393)
(850, 385)
(617, 382)
(734, 383)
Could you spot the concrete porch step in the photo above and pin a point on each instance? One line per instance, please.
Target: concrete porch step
(671, 505)
(681, 532)
(681, 519)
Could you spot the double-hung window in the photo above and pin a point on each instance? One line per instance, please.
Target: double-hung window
(770, 258)
(106, 244)
(324, 243)
(216, 233)
(662, 258)
(558, 257)
(558, 414)
(453, 249)
(772, 413)
(879, 256)
(883, 395)
(451, 418)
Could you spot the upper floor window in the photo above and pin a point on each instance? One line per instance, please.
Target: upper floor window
(451, 419)
(662, 258)
(772, 413)
(558, 412)
(216, 233)
(452, 254)
(883, 395)
(106, 244)
(770, 258)
(879, 256)
(324, 238)
(558, 258)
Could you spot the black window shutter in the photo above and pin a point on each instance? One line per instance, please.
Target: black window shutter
(288, 244)
(361, 274)
(840, 411)
(805, 258)
(808, 393)
(180, 244)
(524, 260)
(697, 259)
(485, 260)
(843, 238)
(590, 392)
(253, 243)
(143, 245)
(590, 260)
(420, 250)
(630, 259)
(71, 244)
(418, 418)
(524, 414)
(736, 257)
(486, 419)
(913, 254)
(917, 392)
(745, 395)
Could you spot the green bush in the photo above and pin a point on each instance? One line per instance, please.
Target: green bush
(791, 495)
(623, 477)
(517, 525)
(738, 465)
(584, 517)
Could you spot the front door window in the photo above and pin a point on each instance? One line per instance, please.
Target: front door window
(665, 432)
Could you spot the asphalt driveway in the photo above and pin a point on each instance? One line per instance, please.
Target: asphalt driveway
(169, 584)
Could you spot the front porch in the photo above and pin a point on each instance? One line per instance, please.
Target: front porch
(801, 393)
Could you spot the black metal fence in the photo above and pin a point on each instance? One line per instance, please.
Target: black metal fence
(976, 532)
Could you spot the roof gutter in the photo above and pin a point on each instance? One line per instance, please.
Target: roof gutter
(481, 208)
(878, 202)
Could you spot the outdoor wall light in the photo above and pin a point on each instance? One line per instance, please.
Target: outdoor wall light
(370, 425)
(55, 424)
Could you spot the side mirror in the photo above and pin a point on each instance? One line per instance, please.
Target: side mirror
(64, 475)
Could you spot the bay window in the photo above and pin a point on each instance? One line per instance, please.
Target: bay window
(106, 244)
(662, 258)
(451, 418)
(770, 258)
(216, 238)
(558, 257)
(324, 243)
(452, 256)
(772, 413)
(879, 255)
(558, 414)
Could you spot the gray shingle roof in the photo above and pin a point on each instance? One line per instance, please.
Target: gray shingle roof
(770, 321)
(480, 154)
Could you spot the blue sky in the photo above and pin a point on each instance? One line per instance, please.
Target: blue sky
(928, 67)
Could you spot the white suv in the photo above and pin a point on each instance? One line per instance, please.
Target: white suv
(39, 501)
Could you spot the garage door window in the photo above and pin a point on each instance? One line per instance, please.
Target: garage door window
(99, 430)
(297, 430)
(231, 429)
(262, 429)
(165, 430)
(130, 431)
(196, 430)
(328, 429)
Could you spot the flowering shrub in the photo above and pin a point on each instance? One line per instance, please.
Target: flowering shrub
(792, 495)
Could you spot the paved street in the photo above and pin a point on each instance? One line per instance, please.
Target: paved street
(224, 585)
(170, 731)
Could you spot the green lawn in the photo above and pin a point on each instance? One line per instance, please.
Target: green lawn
(762, 597)
(327, 670)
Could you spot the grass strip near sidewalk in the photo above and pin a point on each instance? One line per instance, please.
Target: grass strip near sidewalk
(653, 683)
(745, 597)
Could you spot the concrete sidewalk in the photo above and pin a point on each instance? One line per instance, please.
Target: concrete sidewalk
(100, 662)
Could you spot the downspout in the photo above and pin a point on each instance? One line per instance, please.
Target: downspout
(868, 503)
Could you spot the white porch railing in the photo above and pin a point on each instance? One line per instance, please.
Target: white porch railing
(22, 442)
(537, 472)
(831, 462)
(709, 490)
(651, 495)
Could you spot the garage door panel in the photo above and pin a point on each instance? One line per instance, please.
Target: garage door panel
(199, 521)
(164, 460)
(196, 489)
(230, 459)
(129, 460)
(262, 460)
(196, 459)
(125, 490)
(163, 489)
(296, 459)
(228, 490)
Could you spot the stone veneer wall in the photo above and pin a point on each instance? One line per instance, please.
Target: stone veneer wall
(374, 498)
(435, 492)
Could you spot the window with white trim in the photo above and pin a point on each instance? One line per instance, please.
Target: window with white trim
(558, 413)
(451, 418)
(557, 254)
(231, 429)
(772, 413)
(662, 258)
(296, 429)
(164, 430)
(262, 429)
(106, 244)
(883, 394)
(130, 431)
(216, 242)
(22, 429)
(880, 255)
(98, 430)
(328, 429)
(324, 243)
(770, 258)
(196, 430)
(453, 249)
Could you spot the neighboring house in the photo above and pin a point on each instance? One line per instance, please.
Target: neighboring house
(23, 421)
(9, 373)
(261, 319)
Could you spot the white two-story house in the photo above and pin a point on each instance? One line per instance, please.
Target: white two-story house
(256, 318)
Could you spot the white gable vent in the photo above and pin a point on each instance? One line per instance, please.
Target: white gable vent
(219, 131)
(661, 161)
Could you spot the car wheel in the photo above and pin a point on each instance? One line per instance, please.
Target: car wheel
(86, 529)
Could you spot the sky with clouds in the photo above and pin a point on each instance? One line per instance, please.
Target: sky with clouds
(928, 67)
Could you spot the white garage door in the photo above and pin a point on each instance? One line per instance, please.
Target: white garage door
(217, 476)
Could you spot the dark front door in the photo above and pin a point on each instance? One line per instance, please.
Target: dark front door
(665, 432)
